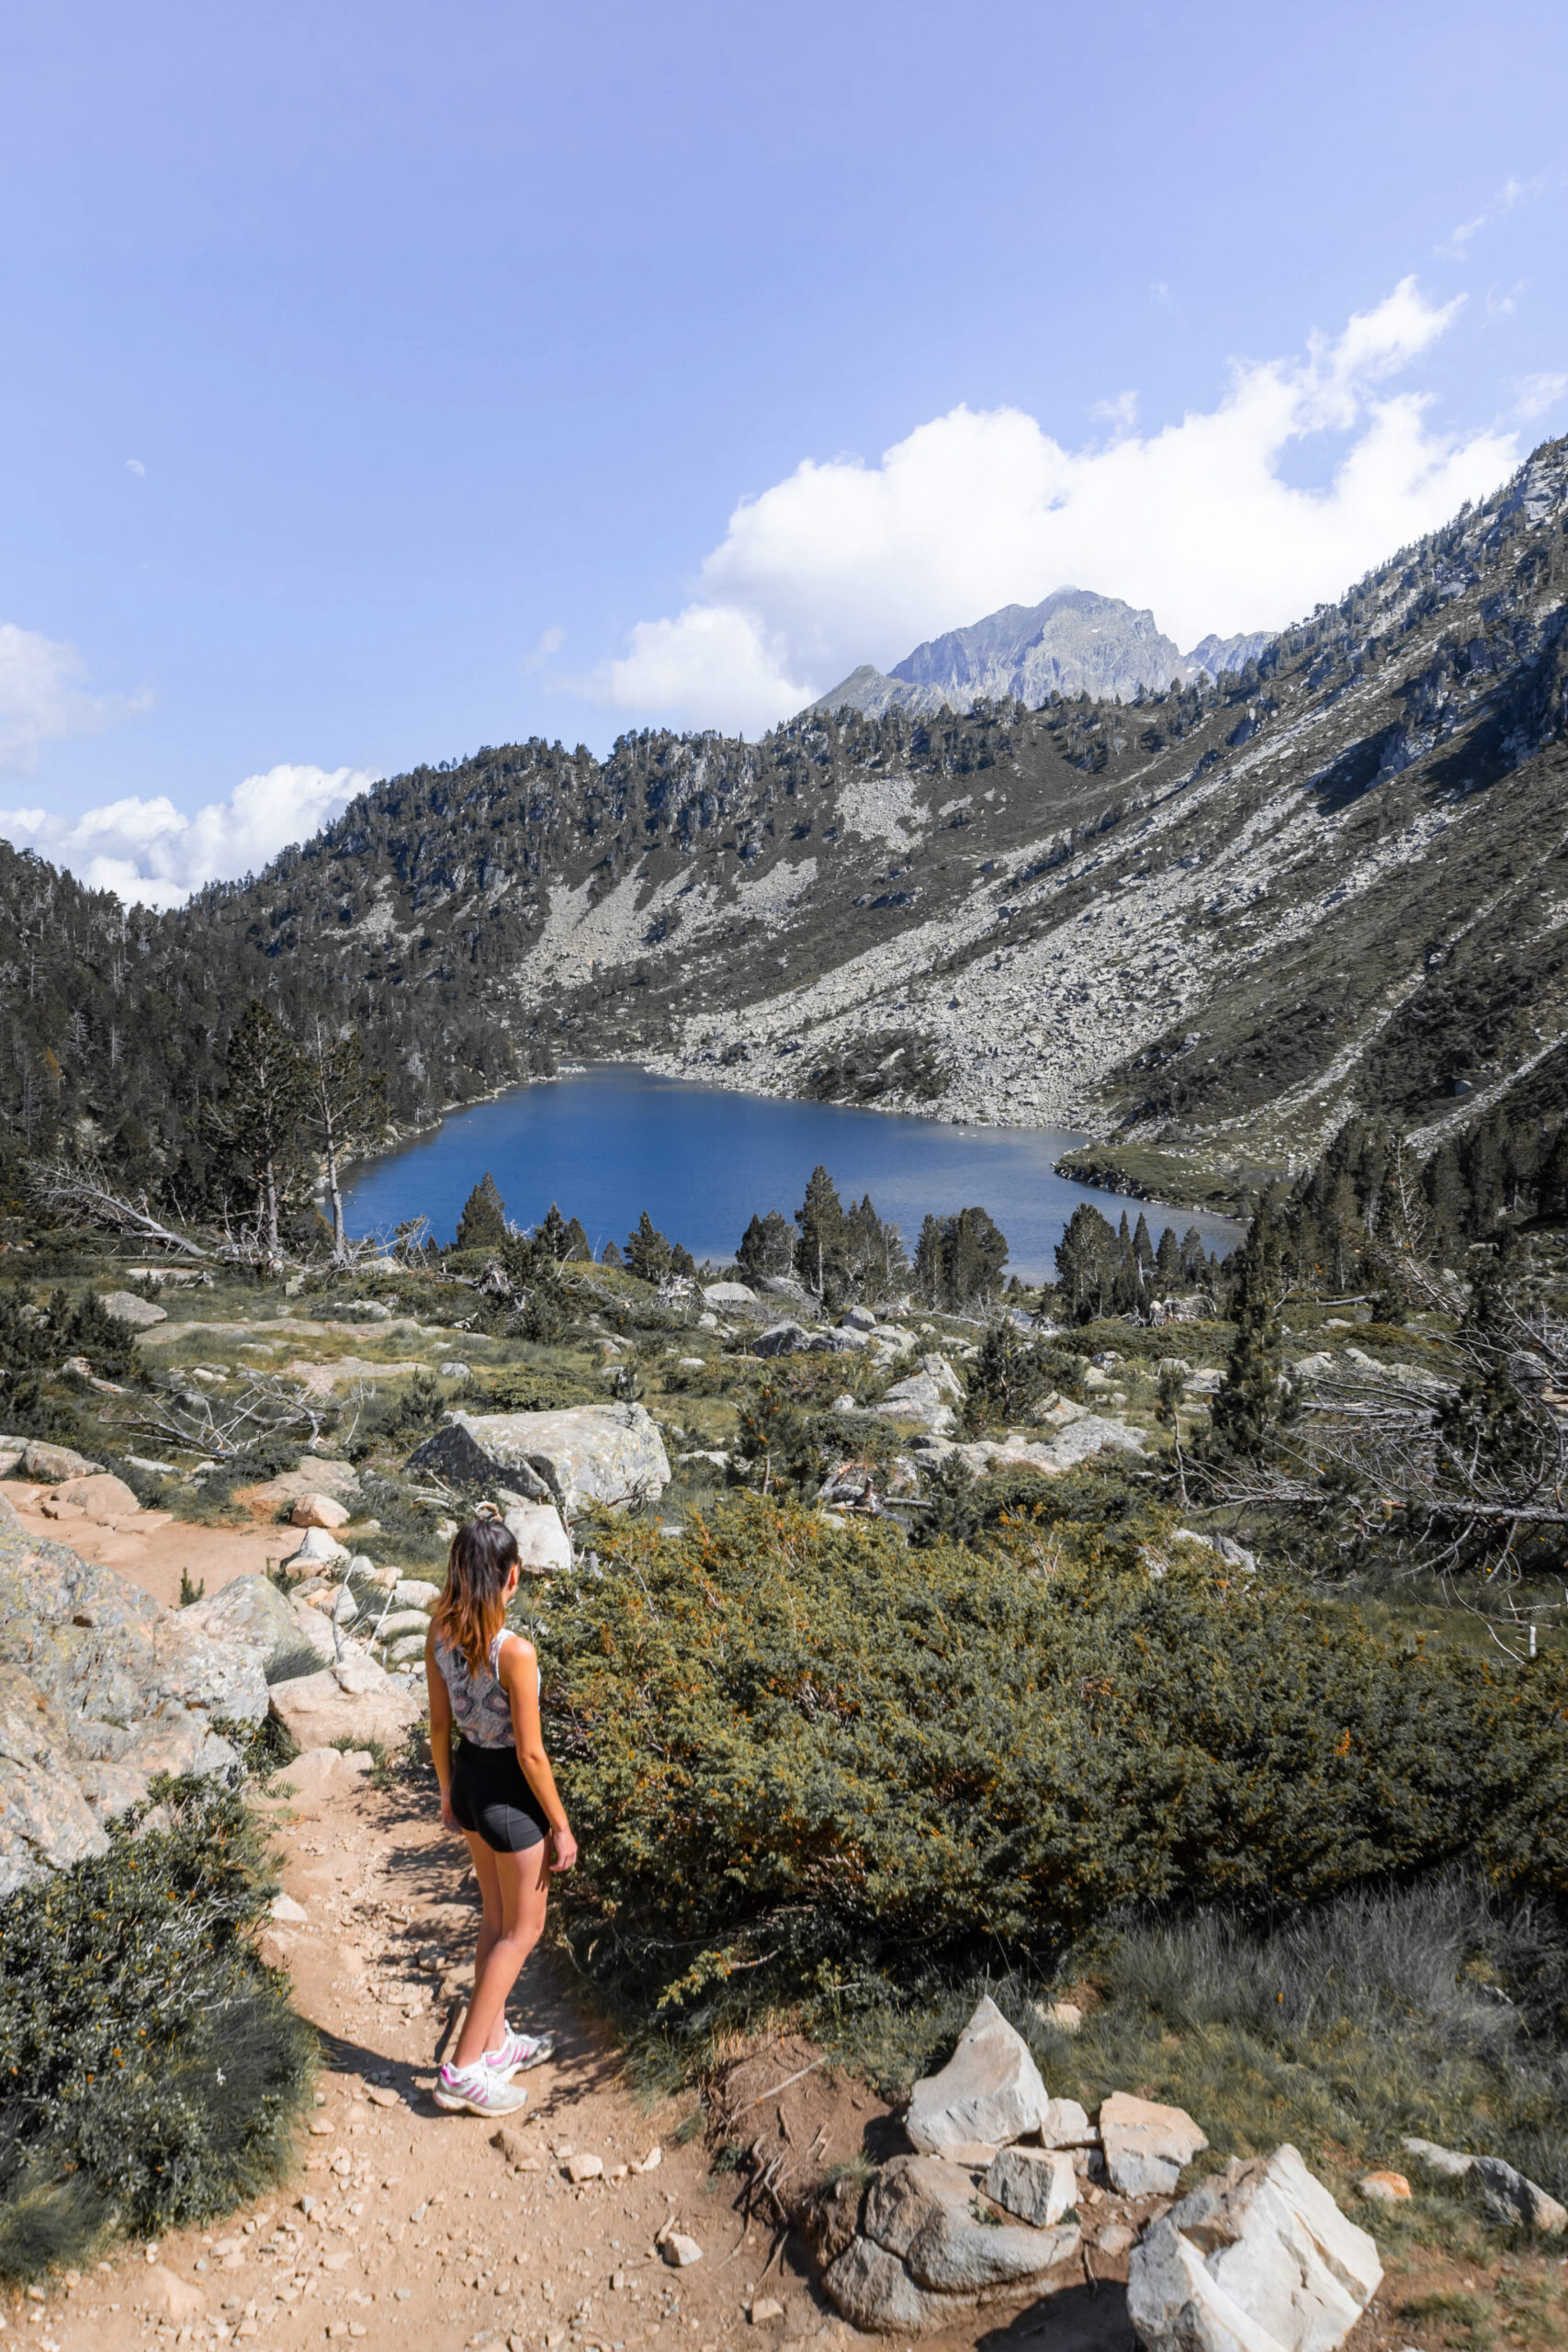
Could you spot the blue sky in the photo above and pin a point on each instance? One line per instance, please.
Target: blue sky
(383, 381)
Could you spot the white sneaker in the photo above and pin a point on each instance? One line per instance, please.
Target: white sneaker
(475, 2091)
(516, 2052)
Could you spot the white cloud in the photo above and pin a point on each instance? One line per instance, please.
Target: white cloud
(1121, 411)
(42, 697)
(845, 562)
(1512, 192)
(1533, 395)
(134, 466)
(152, 855)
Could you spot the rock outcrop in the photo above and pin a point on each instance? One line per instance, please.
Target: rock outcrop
(989, 2092)
(103, 1689)
(355, 1699)
(604, 1453)
(1259, 2258)
(931, 2244)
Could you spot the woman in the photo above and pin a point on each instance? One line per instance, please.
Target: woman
(498, 1788)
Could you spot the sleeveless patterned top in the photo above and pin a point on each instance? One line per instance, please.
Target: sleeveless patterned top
(480, 1707)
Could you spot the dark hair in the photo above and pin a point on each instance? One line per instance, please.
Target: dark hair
(472, 1609)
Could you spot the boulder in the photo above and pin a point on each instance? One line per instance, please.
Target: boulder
(928, 2250)
(125, 1307)
(611, 1454)
(453, 1453)
(861, 1318)
(46, 1823)
(924, 2211)
(51, 1465)
(920, 1398)
(781, 1286)
(728, 1294)
(251, 1612)
(318, 1475)
(1145, 2146)
(1037, 2183)
(989, 2090)
(786, 1340)
(402, 1621)
(105, 1498)
(355, 1700)
(106, 1652)
(318, 1511)
(414, 1593)
(318, 1550)
(1509, 2197)
(542, 1543)
(1259, 2258)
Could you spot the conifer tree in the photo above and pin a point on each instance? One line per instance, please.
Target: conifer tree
(553, 1235)
(1250, 1400)
(647, 1254)
(482, 1224)
(820, 1252)
(257, 1122)
(343, 1108)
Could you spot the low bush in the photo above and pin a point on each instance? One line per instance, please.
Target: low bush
(152, 2070)
(801, 1756)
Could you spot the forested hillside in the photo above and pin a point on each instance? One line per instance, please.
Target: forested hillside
(1209, 922)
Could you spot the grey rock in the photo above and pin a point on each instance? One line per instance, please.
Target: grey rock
(728, 1294)
(1259, 2258)
(356, 1700)
(319, 1549)
(1449, 2162)
(922, 1399)
(1507, 2197)
(51, 1465)
(318, 1475)
(1037, 2183)
(99, 1646)
(605, 1454)
(252, 1613)
(125, 1307)
(416, 1593)
(925, 2212)
(46, 1822)
(781, 1286)
(1146, 2145)
(875, 2292)
(785, 1340)
(989, 2090)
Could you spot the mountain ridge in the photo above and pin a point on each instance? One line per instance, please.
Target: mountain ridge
(1073, 642)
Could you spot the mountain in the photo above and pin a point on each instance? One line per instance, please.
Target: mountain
(1207, 923)
(1073, 643)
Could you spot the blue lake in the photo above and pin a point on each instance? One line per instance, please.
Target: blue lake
(609, 1142)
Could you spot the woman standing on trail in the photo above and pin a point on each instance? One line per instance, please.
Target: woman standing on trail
(498, 1788)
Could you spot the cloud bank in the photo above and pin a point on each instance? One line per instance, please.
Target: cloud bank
(43, 698)
(153, 855)
(845, 562)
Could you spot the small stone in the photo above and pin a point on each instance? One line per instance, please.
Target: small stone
(1385, 2187)
(379, 2095)
(681, 2251)
(974, 2155)
(287, 1913)
(764, 2309)
(182, 2301)
(1447, 2161)
(583, 2167)
(1145, 2144)
(125, 1307)
(651, 2162)
(321, 2129)
(318, 1511)
(989, 2090)
(1116, 2239)
(1066, 2016)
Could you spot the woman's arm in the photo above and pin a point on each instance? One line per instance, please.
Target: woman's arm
(440, 1729)
(519, 1666)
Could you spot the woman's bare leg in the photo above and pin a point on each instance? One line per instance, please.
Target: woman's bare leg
(489, 1889)
(524, 1885)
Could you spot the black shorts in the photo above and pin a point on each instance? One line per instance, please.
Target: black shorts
(492, 1799)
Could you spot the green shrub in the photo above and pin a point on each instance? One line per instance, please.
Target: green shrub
(812, 1752)
(152, 2070)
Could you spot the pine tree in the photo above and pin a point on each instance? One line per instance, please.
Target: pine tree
(649, 1254)
(767, 1247)
(345, 1110)
(257, 1122)
(553, 1235)
(1250, 1401)
(577, 1242)
(1085, 1264)
(820, 1252)
(482, 1224)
